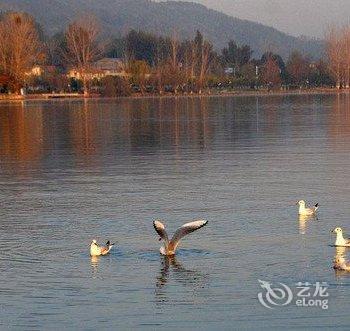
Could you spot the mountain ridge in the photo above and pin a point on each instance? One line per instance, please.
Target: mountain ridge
(119, 16)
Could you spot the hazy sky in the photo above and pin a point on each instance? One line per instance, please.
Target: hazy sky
(296, 17)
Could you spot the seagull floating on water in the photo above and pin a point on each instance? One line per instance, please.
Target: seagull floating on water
(305, 211)
(339, 263)
(97, 250)
(340, 240)
(169, 247)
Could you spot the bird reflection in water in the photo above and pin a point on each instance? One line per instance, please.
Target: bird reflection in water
(94, 266)
(172, 269)
(303, 221)
(340, 255)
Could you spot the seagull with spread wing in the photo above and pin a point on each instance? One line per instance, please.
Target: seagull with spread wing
(170, 246)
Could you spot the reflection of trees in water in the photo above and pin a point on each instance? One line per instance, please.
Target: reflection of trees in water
(21, 132)
(339, 122)
(169, 123)
(83, 129)
(95, 127)
(90, 128)
(172, 272)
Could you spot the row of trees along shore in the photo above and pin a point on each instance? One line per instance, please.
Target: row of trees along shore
(153, 63)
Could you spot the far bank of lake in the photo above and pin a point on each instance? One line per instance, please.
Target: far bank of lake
(236, 93)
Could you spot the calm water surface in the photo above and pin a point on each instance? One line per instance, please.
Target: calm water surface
(71, 171)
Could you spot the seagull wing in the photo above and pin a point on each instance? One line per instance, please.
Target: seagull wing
(104, 250)
(160, 229)
(185, 230)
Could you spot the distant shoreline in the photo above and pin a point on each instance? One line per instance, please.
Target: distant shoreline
(243, 93)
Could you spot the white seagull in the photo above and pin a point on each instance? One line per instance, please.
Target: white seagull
(97, 250)
(305, 211)
(339, 263)
(169, 247)
(340, 240)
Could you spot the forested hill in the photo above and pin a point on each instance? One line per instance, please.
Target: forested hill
(119, 16)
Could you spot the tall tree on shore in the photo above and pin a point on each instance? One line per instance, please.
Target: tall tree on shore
(320, 74)
(271, 73)
(236, 56)
(205, 60)
(335, 52)
(20, 47)
(141, 46)
(82, 48)
(298, 68)
(115, 48)
(139, 71)
(346, 54)
(54, 46)
(188, 59)
(175, 74)
(204, 56)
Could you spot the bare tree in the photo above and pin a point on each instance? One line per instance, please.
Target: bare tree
(335, 52)
(189, 60)
(174, 41)
(175, 73)
(345, 35)
(20, 47)
(159, 70)
(205, 60)
(82, 47)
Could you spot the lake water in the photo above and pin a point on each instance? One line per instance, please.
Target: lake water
(72, 171)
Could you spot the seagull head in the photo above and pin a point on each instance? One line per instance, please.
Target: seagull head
(94, 242)
(337, 230)
(301, 202)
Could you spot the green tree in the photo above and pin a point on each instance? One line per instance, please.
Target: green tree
(116, 48)
(298, 68)
(235, 56)
(141, 46)
(321, 75)
(139, 71)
